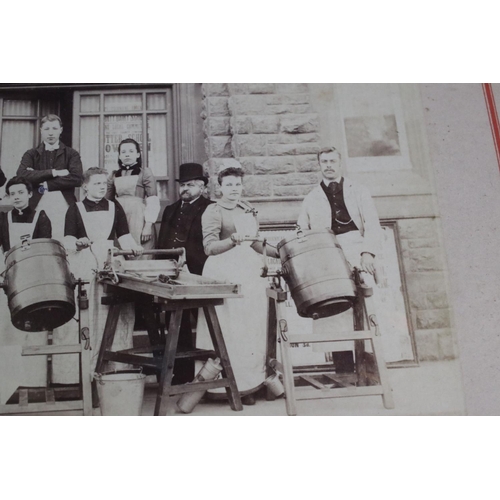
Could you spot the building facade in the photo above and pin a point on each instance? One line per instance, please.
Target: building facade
(274, 130)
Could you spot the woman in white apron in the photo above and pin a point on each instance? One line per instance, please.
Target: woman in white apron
(135, 188)
(231, 259)
(21, 224)
(91, 226)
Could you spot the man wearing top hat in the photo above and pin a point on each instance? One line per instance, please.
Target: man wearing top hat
(181, 228)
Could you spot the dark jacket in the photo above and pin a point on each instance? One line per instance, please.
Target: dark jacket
(195, 255)
(66, 158)
(2, 178)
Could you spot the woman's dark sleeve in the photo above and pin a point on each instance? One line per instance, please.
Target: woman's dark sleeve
(3, 179)
(73, 225)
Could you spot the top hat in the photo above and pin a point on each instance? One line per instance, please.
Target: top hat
(190, 172)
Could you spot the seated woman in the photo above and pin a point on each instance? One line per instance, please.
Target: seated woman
(231, 258)
(135, 188)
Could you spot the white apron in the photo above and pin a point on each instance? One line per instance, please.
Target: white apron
(98, 226)
(243, 320)
(134, 207)
(31, 370)
(55, 206)
(352, 245)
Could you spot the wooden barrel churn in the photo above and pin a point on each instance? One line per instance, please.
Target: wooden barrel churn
(317, 274)
(39, 285)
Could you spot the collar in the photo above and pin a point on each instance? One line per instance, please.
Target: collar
(94, 201)
(25, 211)
(41, 147)
(338, 180)
(227, 204)
(189, 202)
(127, 167)
(49, 147)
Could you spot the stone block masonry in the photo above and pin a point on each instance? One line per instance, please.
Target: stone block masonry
(426, 283)
(270, 128)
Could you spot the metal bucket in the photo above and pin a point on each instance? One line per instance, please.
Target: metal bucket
(39, 285)
(121, 393)
(317, 273)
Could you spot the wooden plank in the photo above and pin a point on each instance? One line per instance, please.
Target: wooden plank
(336, 379)
(108, 335)
(304, 393)
(329, 337)
(39, 350)
(175, 291)
(41, 407)
(167, 369)
(288, 380)
(173, 305)
(312, 381)
(85, 363)
(221, 350)
(50, 396)
(133, 359)
(199, 386)
(23, 397)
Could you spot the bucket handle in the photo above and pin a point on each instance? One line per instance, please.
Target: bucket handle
(98, 376)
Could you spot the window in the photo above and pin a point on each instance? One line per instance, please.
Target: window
(20, 129)
(102, 119)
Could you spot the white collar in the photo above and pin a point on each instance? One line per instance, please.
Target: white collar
(190, 202)
(327, 182)
(50, 147)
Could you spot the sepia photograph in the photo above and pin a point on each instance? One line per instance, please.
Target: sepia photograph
(225, 249)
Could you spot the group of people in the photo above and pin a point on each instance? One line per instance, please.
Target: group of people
(220, 239)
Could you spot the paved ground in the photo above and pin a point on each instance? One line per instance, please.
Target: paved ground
(429, 389)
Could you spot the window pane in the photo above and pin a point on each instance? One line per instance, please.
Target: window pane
(162, 188)
(117, 128)
(89, 103)
(19, 108)
(17, 138)
(89, 141)
(157, 144)
(123, 102)
(156, 101)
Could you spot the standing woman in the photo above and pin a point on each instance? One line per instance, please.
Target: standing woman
(243, 320)
(135, 188)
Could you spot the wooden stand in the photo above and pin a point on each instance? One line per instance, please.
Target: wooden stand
(51, 405)
(165, 365)
(371, 376)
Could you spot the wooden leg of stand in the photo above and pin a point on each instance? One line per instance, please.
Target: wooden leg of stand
(167, 369)
(271, 343)
(221, 350)
(359, 345)
(108, 336)
(288, 379)
(387, 396)
(85, 375)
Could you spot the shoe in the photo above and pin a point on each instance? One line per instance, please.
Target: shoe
(248, 400)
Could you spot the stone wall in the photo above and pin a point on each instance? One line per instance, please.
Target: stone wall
(273, 130)
(270, 128)
(427, 291)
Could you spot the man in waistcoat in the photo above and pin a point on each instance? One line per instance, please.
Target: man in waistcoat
(54, 170)
(347, 208)
(181, 228)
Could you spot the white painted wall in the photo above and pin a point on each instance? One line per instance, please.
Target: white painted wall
(467, 179)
